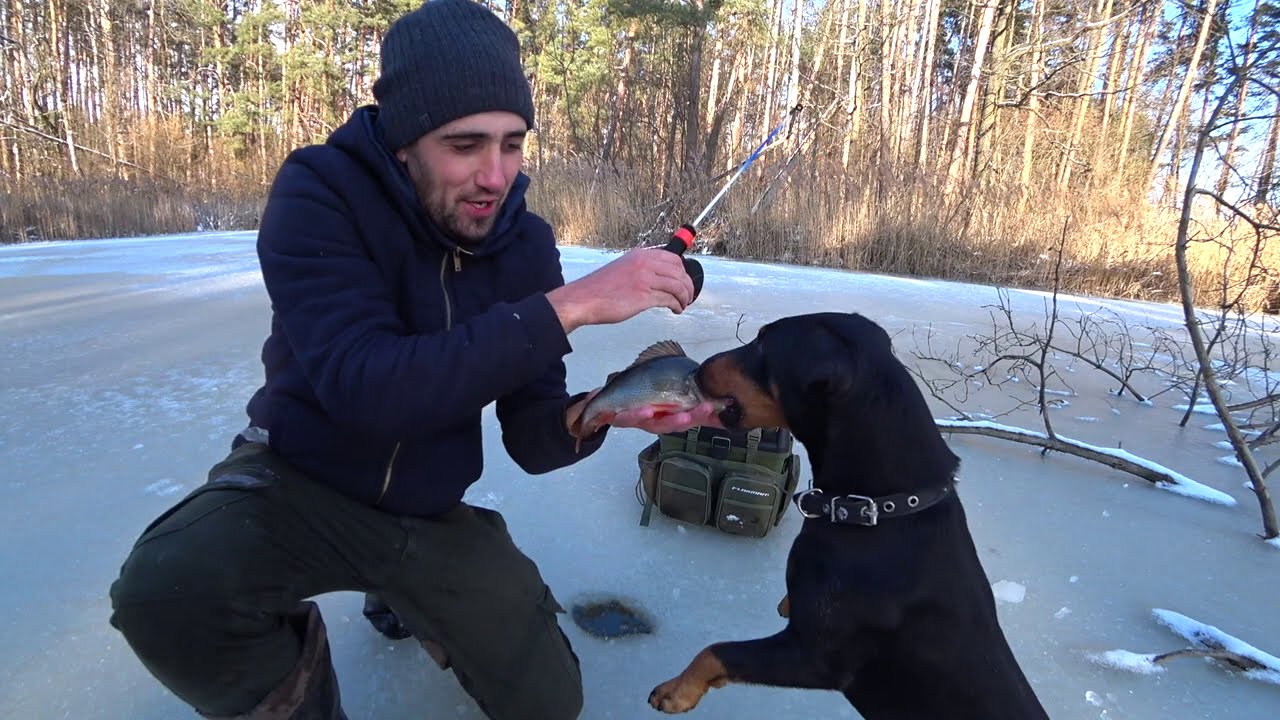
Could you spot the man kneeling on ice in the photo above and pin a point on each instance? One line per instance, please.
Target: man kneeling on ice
(410, 288)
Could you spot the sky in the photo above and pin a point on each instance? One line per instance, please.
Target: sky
(128, 363)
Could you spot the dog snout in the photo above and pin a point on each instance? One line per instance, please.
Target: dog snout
(731, 415)
(710, 378)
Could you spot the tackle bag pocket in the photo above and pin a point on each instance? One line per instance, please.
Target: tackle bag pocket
(684, 490)
(748, 504)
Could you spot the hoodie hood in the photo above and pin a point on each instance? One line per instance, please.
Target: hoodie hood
(362, 137)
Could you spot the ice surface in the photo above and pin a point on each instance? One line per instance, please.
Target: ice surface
(128, 364)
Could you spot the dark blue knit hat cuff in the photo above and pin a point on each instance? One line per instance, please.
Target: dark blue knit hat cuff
(446, 60)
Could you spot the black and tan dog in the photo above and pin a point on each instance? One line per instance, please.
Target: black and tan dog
(887, 601)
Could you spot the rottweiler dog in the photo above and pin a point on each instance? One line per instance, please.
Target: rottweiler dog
(887, 601)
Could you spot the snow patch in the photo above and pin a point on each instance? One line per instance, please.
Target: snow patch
(1124, 660)
(163, 488)
(1008, 591)
(1203, 409)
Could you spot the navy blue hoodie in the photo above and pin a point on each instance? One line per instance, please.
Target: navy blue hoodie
(388, 340)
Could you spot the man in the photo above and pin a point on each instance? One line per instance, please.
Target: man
(410, 288)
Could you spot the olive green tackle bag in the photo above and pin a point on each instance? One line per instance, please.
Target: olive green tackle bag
(739, 482)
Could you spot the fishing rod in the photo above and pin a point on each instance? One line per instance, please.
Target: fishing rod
(682, 239)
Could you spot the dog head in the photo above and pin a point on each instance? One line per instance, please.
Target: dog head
(832, 378)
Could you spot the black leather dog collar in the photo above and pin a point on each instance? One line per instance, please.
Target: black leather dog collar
(864, 510)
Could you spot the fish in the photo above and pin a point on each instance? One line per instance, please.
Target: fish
(662, 377)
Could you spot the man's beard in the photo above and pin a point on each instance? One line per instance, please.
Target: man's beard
(468, 233)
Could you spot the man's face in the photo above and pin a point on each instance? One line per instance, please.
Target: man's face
(462, 171)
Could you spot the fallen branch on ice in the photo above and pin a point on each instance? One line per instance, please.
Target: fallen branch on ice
(1159, 475)
(1207, 641)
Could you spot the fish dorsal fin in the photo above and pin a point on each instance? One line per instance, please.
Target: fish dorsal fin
(660, 349)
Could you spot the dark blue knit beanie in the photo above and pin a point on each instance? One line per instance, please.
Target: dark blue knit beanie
(446, 60)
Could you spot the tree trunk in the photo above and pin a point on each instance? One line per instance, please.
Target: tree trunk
(1184, 91)
(1101, 11)
(909, 50)
(1135, 76)
(964, 122)
(793, 82)
(713, 91)
(1267, 165)
(770, 89)
(1035, 32)
(854, 106)
(888, 66)
(987, 152)
(735, 134)
(20, 83)
(1111, 90)
(925, 108)
(60, 101)
(619, 100)
(1229, 156)
(716, 125)
(1213, 389)
(693, 116)
(110, 84)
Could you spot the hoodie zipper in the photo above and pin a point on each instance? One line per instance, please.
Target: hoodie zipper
(448, 325)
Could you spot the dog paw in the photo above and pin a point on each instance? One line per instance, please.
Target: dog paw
(674, 696)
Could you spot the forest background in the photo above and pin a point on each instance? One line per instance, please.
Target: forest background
(962, 139)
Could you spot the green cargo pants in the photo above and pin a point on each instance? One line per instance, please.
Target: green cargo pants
(203, 596)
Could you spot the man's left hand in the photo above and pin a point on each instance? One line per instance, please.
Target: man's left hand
(706, 415)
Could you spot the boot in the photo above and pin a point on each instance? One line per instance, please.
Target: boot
(310, 690)
(383, 618)
(385, 621)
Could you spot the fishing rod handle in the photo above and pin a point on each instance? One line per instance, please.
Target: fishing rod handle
(681, 241)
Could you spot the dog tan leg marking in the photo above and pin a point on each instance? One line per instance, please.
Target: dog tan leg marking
(784, 607)
(682, 692)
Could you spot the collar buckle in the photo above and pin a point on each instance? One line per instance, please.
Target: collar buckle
(866, 508)
(799, 500)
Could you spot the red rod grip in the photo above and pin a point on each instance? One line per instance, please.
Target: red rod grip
(682, 239)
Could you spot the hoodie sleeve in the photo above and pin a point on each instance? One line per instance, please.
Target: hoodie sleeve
(368, 370)
(532, 417)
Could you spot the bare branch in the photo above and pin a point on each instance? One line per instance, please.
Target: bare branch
(1236, 660)
(1257, 225)
(1212, 387)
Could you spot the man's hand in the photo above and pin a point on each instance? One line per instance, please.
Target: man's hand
(641, 279)
(706, 415)
(572, 412)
